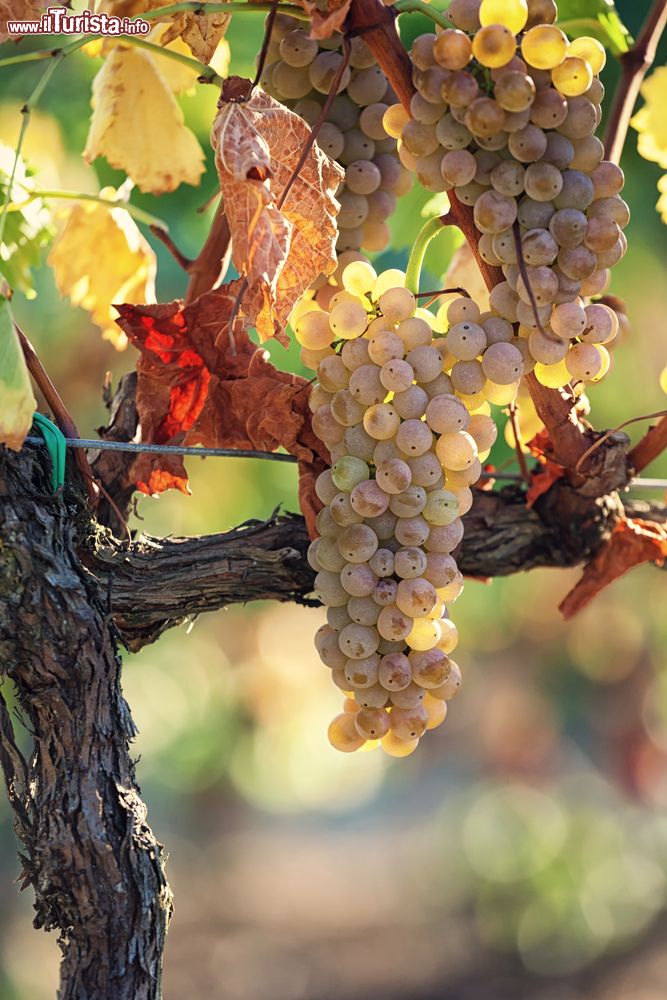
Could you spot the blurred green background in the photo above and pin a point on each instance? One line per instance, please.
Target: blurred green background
(522, 852)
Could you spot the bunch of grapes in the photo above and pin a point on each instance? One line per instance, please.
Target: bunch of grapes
(300, 73)
(405, 450)
(505, 116)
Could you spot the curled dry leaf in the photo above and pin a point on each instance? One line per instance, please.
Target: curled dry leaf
(100, 257)
(326, 17)
(280, 251)
(194, 390)
(542, 479)
(202, 33)
(138, 126)
(632, 542)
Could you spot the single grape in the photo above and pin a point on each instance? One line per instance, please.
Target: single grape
(572, 77)
(343, 735)
(544, 46)
(512, 14)
(494, 45)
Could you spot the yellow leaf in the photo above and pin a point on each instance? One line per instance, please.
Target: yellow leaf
(101, 258)
(17, 402)
(138, 126)
(651, 121)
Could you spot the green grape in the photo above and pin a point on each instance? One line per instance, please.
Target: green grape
(367, 86)
(507, 178)
(372, 723)
(544, 46)
(450, 688)
(368, 499)
(572, 77)
(582, 118)
(493, 46)
(372, 697)
(452, 134)
(549, 110)
(393, 624)
(397, 376)
(539, 248)
(393, 475)
(326, 426)
(608, 179)
(514, 91)
(347, 472)
(466, 340)
(464, 14)
(460, 89)
(409, 503)
(512, 14)
(552, 376)
(441, 507)
(543, 181)
(385, 593)
(381, 421)
(484, 117)
(297, 49)
(601, 324)
(494, 212)
(365, 385)
(345, 409)
(414, 438)
(457, 451)
(584, 362)
(541, 12)
(430, 668)
(376, 235)
(385, 346)
(363, 177)
(362, 673)
(395, 747)
(416, 597)
(353, 209)
(484, 430)
(559, 151)
(394, 120)
(348, 320)
(357, 580)
(502, 364)
(528, 144)
(395, 672)
(357, 146)
(322, 72)
(359, 277)
(452, 49)
(412, 530)
(342, 734)
(446, 415)
(425, 634)
(397, 304)
(590, 50)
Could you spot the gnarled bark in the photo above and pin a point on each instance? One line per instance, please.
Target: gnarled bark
(86, 848)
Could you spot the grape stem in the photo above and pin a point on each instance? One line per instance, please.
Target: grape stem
(634, 66)
(414, 269)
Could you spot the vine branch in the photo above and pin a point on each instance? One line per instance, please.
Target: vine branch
(634, 66)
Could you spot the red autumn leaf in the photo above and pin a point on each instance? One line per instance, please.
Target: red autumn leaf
(193, 389)
(631, 543)
(540, 444)
(279, 246)
(542, 481)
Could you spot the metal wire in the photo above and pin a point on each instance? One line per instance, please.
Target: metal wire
(272, 456)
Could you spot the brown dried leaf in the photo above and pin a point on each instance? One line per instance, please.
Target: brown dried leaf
(631, 543)
(194, 390)
(202, 33)
(282, 250)
(325, 22)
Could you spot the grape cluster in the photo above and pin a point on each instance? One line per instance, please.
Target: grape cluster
(504, 116)
(300, 73)
(405, 450)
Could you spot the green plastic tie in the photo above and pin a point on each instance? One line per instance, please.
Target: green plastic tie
(56, 446)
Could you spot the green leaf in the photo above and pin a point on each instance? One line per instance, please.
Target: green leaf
(598, 18)
(27, 230)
